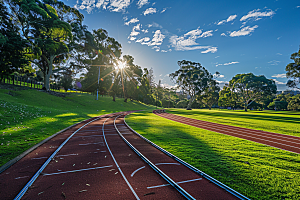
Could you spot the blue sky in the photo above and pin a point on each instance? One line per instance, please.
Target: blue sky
(230, 36)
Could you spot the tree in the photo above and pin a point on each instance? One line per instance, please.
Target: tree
(210, 96)
(294, 103)
(42, 24)
(250, 88)
(66, 80)
(293, 71)
(12, 46)
(192, 78)
(227, 98)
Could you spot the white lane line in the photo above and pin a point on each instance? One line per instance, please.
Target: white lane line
(167, 164)
(198, 179)
(72, 154)
(137, 171)
(22, 177)
(88, 136)
(132, 190)
(38, 158)
(79, 170)
(92, 143)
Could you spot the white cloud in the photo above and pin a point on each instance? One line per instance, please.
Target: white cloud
(229, 19)
(279, 54)
(158, 38)
(134, 32)
(118, 5)
(149, 11)
(164, 10)
(230, 63)
(278, 82)
(255, 14)
(279, 75)
(278, 38)
(140, 3)
(274, 62)
(218, 76)
(144, 40)
(112, 5)
(210, 49)
(298, 6)
(154, 25)
(132, 21)
(188, 41)
(244, 31)
(156, 48)
(223, 34)
(145, 31)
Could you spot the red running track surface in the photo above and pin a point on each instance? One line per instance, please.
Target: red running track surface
(97, 164)
(284, 142)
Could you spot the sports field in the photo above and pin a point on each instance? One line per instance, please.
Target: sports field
(255, 170)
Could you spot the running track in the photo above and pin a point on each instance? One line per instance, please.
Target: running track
(280, 141)
(96, 163)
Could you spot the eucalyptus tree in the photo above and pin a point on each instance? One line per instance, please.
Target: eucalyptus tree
(250, 88)
(12, 45)
(227, 98)
(192, 78)
(45, 26)
(293, 71)
(210, 96)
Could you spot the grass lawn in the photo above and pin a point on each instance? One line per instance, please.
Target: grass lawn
(255, 170)
(28, 116)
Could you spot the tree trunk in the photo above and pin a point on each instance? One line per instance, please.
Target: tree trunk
(125, 100)
(190, 103)
(114, 97)
(246, 105)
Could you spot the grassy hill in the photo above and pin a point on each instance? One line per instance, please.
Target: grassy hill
(28, 116)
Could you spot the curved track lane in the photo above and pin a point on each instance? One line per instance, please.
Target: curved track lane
(96, 163)
(280, 141)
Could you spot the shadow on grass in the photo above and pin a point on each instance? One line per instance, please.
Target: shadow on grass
(244, 166)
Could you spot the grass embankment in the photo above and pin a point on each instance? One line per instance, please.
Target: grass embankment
(29, 116)
(255, 170)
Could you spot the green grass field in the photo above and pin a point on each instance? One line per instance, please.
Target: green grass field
(255, 170)
(28, 116)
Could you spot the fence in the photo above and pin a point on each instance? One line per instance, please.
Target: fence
(26, 82)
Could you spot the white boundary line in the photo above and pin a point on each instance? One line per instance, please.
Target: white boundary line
(78, 170)
(132, 190)
(137, 171)
(198, 179)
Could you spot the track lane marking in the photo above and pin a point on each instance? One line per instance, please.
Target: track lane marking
(137, 171)
(132, 190)
(78, 170)
(157, 186)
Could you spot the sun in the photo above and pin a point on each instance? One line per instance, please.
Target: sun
(121, 65)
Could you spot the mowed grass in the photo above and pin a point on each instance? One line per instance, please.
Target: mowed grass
(29, 116)
(283, 122)
(255, 170)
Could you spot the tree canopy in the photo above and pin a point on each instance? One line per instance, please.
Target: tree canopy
(250, 88)
(293, 71)
(192, 78)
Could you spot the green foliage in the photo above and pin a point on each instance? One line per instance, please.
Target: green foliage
(293, 71)
(250, 88)
(255, 170)
(192, 78)
(294, 103)
(12, 46)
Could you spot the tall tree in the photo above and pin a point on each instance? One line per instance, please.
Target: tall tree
(210, 96)
(250, 88)
(12, 46)
(227, 98)
(293, 71)
(192, 78)
(46, 32)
